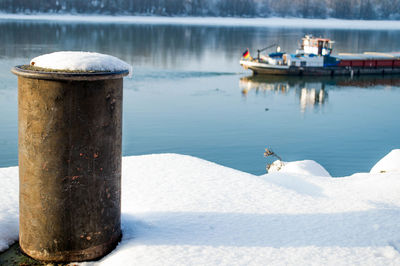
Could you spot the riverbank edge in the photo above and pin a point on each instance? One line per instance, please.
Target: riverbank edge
(272, 22)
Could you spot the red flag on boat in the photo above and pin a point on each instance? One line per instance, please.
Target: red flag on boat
(246, 54)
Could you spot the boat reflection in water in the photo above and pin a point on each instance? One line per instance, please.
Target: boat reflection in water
(312, 91)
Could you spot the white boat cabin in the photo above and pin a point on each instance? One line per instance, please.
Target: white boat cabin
(303, 60)
(317, 46)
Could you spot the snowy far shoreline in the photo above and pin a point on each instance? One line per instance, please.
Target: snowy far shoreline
(212, 21)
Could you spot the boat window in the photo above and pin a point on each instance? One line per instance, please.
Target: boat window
(303, 63)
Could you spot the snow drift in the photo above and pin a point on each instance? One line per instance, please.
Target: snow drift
(181, 210)
(306, 167)
(389, 163)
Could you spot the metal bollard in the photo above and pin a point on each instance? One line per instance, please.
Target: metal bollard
(69, 142)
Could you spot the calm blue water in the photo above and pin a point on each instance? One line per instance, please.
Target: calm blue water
(189, 95)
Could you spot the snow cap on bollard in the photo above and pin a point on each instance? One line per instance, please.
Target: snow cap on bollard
(80, 61)
(74, 66)
(69, 152)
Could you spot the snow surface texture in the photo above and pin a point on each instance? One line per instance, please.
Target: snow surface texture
(389, 163)
(8, 206)
(306, 167)
(217, 21)
(82, 61)
(181, 210)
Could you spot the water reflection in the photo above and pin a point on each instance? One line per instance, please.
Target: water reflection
(166, 46)
(310, 97)
(312, 91)
(183, 96)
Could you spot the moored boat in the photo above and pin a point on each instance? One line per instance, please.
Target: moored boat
(315, 58)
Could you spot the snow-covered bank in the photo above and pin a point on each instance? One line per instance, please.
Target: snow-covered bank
(181, 210)
(215, 21)
(389, 163)
(8, 206)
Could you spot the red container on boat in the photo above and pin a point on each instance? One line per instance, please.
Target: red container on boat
(370, 63)
(384, 63)
(344, 63)
(357, 63)
(396, 63)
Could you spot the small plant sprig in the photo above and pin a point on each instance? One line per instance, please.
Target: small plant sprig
(269, 152)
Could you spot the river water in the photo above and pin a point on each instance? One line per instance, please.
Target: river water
(189, 95)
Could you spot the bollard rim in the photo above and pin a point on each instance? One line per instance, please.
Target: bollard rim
(60, 75)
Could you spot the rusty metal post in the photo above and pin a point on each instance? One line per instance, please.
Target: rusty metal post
(69, 134)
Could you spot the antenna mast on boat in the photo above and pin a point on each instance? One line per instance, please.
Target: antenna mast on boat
(263, 49)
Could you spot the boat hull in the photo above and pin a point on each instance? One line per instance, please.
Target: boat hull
(263, 68)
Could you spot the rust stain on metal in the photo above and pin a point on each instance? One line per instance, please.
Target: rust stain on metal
(75, 177)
